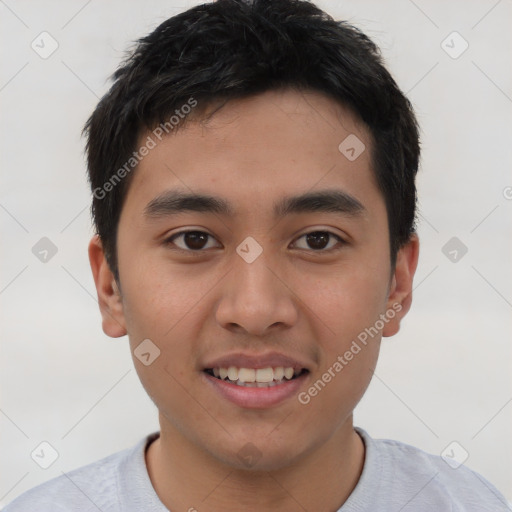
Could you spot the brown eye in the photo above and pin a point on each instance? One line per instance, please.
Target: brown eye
(191, 240)
(320, 240)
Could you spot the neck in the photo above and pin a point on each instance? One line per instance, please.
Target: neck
(190, 479)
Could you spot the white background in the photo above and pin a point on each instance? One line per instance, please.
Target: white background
(444, 377)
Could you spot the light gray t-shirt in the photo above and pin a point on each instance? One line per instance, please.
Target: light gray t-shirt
(396, 478)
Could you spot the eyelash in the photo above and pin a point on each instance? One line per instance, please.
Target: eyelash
(170, 240)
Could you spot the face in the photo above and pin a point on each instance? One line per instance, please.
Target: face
(276, 266)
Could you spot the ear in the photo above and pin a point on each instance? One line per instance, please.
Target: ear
(109, 296)
(400, 291)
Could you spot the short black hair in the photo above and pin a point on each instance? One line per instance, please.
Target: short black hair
(231, 49)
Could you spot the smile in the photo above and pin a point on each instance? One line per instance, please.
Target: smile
(255, 377)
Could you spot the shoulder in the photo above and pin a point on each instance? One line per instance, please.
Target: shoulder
(90, 488)
(419, 481)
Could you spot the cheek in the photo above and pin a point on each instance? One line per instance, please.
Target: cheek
(346, 302)
(348, 306)
(160, 296)
(168, 307)
(161, 309)
(348, 310)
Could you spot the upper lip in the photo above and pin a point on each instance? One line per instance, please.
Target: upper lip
(264, 360)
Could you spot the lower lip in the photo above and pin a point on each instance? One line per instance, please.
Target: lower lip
(256, 398)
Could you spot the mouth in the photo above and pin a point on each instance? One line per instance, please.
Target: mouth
(255, 381)
(256, 377)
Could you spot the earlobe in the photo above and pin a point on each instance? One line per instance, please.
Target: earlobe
(400, 294)
(109, 296)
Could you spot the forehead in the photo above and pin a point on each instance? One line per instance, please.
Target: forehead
(259, 149)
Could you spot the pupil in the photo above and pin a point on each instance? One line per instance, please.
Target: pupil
(196, 239)
(318, 239)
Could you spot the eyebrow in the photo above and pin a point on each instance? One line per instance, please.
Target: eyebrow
(329, 201)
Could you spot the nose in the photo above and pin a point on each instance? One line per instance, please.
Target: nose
(256, 299)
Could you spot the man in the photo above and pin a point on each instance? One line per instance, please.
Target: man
(253, 176)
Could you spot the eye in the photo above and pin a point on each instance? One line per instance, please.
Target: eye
(196, 241)
(320, 241)
(191, 240)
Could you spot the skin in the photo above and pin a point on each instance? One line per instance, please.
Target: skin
(292, 298)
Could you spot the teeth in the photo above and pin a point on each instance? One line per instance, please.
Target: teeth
(288, 373)
(232, 373)
(279, 373)
(256, 377)
(264, 375)
(246, 375)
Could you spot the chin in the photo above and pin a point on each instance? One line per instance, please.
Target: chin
(254, 454)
